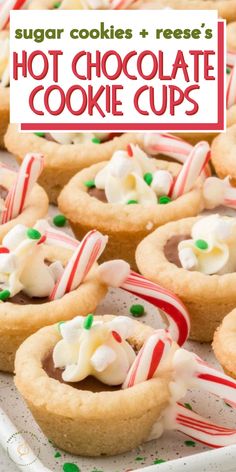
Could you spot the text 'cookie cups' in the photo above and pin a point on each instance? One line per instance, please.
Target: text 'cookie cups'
(208, 297)
(4, 85)
(126, 199)
(36, 205)
(64, 158)
(223, 154)
(224, 344)
(41, 282)
(89, 423)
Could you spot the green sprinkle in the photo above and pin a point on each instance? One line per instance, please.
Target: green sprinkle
(190, 443)
(132, 202)
(159, 461)
(201, 244)
(137, 310)
(138, 458)
(40, 134)
(187, 405)
(59, 325)
(4, 295)
(57, 454)
(96, 140)
(148, 178)
(228, 70)
(164, 199)
(70, 467)
(89, 183)
(57, 5)
(59, 220)
(88, 321)
(33, 233)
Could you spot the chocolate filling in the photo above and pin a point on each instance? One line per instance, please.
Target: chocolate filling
(171, 248)
(98, 194)
(3, 192)
(22, 299)
(90, 383)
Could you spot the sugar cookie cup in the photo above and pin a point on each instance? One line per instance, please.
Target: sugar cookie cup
(18, 322)
(223, 154)
(208, 298)
(62, 161)
(224, 344)
(35, 208)
(80, 421)
(231, 37)
(226, 9)
(126, 225)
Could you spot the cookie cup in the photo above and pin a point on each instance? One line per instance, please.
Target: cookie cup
(226, 9)
(62, 161)
(208, 298)
(17, 322)
(82, 422)
(4, 112)
(126, 225)
(36, 208)
(231, 37)
(223, 154)
(224, 344)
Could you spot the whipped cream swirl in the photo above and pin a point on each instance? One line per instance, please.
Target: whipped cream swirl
(78, 138)
(131, 176)
(211, 249)
(22, 264)
(96, 348)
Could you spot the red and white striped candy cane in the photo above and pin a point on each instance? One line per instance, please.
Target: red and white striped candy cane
(231, 89)
(84, 257)
(149, 358)
(163, 299)
(191, 170)
(5, 9)
(121, 4)
(57, 238)
(231, 59)
(27, 176)
(200, 429)
(216, 382)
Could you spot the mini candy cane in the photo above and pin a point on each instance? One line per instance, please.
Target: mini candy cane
(191, 170)
(5, 9)
(53, 237)
(86, 254)
(27, 176)
(216, 382)
(155, 350)
(163, 299)
(200, 429)
(231, 89)
(121, 4)
(231, 59)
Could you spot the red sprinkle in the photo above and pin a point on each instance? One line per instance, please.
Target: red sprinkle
(4, 250)
(42, 240)
(129, 150)
(116, 336)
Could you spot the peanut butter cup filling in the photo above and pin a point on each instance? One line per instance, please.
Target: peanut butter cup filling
(90, 383)
(171, 248)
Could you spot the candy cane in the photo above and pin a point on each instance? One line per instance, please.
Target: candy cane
(86, 254)
(231, 59)
(171, 146)
(27, 176)
(191, 170)
(57, 238)
(121, 4)
(149, 358)
(202, 430)
(5, 9)
(163, 299)
(231, 89)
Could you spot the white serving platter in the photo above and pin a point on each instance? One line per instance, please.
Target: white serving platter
(172, 448)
